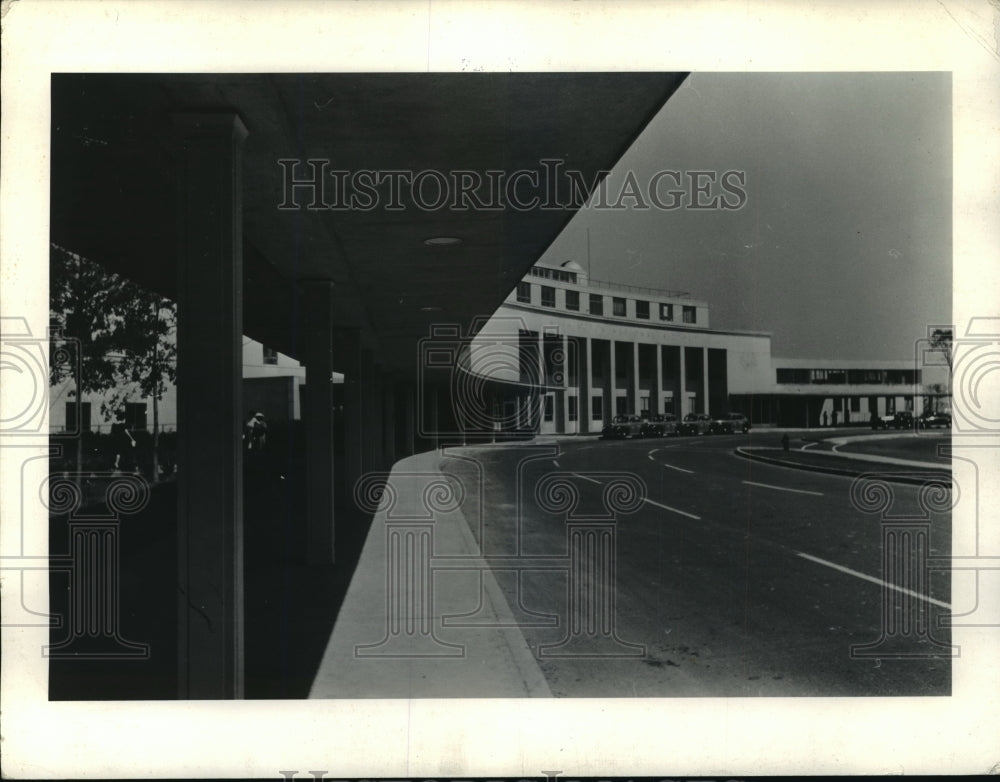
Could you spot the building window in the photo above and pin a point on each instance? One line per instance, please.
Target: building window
(524, 292)
(572, 408)
(642, 310)
(666, 312)
(644, 406)
(549, 406)
(135, 416)
(688, 314)
(618, 307)
(620, 405)
(548, 296)
(792, 375)
(573, 300)
(596, 304)
(855, 404)
(71, 410)
(270, 356)
(596, 408)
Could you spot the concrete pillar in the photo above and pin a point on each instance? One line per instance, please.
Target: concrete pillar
(388, 421)
(634, 380)
(656, 390)
(682, 381)
(609, 385)
(409, 419)
(584, 383)
(209, 406)
(704, 380)
(542, 383)
(317, 416)
(369, 410)
(570, 427)
(347, 359)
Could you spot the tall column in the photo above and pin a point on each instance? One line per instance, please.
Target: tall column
(657, 385)
(409, 419)
(704, 380)
(609, 385)
(635, 381)
(682, 381)
(388, 421)
(317, 341)
(209, 406)
(542, 382)
(347, 355)
(584, 381)
(570, 427)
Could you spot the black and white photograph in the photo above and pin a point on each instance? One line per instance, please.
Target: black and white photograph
(498, 413)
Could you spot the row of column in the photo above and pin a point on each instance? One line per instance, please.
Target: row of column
(583, 348)
(210, 542)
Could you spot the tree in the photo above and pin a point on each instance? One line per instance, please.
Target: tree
(148, 361)
(124, 335)
(942, 341)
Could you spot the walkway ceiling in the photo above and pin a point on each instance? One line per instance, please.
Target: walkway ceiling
(113, 183)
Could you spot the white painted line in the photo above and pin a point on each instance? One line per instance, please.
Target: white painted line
(679, 469)
(650, 454)
(808, 445)
(555, 462)
(874, 580)
(672, 510)
(586, 478)
(782, 488)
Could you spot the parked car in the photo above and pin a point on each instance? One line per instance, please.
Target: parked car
(931, 420)
(730, 423)
(696, 423)
(622, 426)
(659, 425)
(901, 419)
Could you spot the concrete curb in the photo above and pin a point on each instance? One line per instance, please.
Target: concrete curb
(908, 478)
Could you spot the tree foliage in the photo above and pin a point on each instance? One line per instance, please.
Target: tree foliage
(124, 333)
(942, 341)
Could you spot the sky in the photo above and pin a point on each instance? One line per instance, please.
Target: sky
(843, 247)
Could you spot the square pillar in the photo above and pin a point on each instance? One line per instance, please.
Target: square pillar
(633, 390)
(609, 385)
(210, 406)
(704, 381)
(409, 419)
(370, 409)
(682, 382)
(656, 391)
(584, 382)
(347, 360)
(317, 415)
(388, 422)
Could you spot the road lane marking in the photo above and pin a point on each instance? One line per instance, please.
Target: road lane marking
(650, 454)
(679, 469)
(783, 488)
(586, 478)
(672, 510)
(668, 466)
(808, 445)
(874, 580)
(555, 462)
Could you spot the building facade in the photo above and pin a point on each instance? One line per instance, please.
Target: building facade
(565, 354)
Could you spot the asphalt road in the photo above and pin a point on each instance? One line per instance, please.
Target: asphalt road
(732, 578)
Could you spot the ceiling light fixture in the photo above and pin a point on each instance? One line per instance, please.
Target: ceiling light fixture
(442, 241)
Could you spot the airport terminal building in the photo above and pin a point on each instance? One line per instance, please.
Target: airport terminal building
(588, 350)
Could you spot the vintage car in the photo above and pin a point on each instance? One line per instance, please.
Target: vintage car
(659, 425)
(931, 420)
(901, 419)
(696, 423)
(622, 426)
(730, 423)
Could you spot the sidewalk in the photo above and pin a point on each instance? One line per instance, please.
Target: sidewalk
(416, 655)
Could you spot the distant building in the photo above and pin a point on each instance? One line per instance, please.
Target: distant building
(587, 350)
(271, 385)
